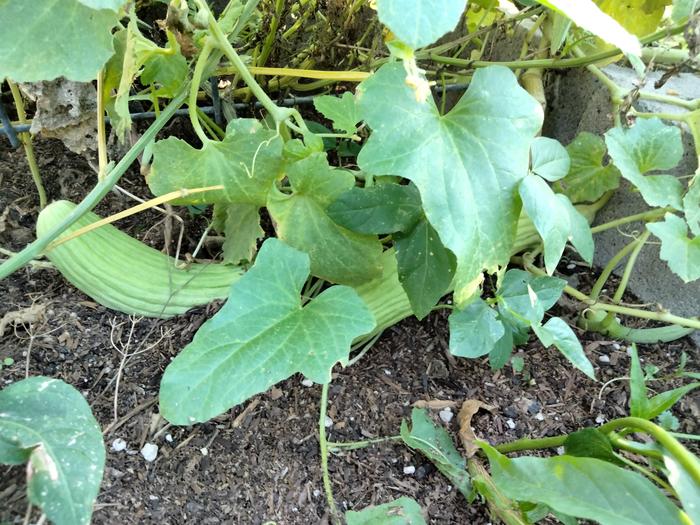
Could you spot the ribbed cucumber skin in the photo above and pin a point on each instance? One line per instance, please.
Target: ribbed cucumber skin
(124, 274)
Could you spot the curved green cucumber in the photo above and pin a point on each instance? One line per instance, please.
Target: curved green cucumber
(124, 274)
(602, 322)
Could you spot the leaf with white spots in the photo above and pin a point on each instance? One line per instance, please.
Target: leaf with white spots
(262, 335)
(48, 424)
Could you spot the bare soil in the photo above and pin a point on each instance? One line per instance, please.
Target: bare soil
(259, 462)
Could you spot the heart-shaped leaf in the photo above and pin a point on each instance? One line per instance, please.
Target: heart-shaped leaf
(466, 173)
(262, 335)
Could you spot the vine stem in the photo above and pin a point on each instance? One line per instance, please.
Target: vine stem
(26, 139)
(663, 317)
(278, 114)
(194, 89)
(98, 192)
(101, 133)
(644, 216)
(323, 444)
(685, 458)
(608, 270)
(617, 298)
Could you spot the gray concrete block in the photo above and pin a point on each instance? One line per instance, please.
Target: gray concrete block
(579, 102)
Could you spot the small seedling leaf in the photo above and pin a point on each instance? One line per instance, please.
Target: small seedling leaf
(556, 332)
(474, 330)
(403, 511)
(550, 160)
(342, 111)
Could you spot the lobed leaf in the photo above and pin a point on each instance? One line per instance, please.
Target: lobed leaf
(242, 230)
(301, 220)
(588, 178)
(342, 111)
(648, 146)
(261, 336)
(247, 163)
(680, 251)
(466, 174)
(46, 39)
(49, 424)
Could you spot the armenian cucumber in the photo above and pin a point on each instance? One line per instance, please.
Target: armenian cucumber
(124, 274)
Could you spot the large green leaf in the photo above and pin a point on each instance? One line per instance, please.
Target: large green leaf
(246, 163)
(420, 22)
(436, 444)
(556, 332)
(342, 111)
(580, 235)
(587, 15)
(550, 160)
(49, 424)
(301, 220)
(380, 209)
(403, 511)
(680, 251)
(649, 145)
(45, 39)
(588, 179)
(467, 174)
(262, 335)
(583, 487)
(475, 330)
(426, 267)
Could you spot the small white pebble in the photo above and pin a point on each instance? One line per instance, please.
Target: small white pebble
(570, 266)
(604, 358)
(600, 419)
(316, 493)
(204, 451)
(510, 423)
(169, 438)
(409, 470)
(446, 415)
(328, 422)
(118, 445)
(629, 351)
(561, 451)
(149, 452)
(307, 382)
(387, 372)
(539, 416)
(152, 497)
(616, 346)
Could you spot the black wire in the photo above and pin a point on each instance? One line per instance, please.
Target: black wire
(11, 132)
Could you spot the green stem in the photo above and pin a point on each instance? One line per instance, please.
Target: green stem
(194, 89)
(556, 63)
(646, 216)
(323, 443)
(648, 473)
(663, 317)
(98, 192)
(640, 449)
(278, 114)
(609, 268)
(685, 458)
(630, 266)
(532, 444)
(26, 139)
(668, 99)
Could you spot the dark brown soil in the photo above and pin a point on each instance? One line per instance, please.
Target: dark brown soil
(260, 461)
